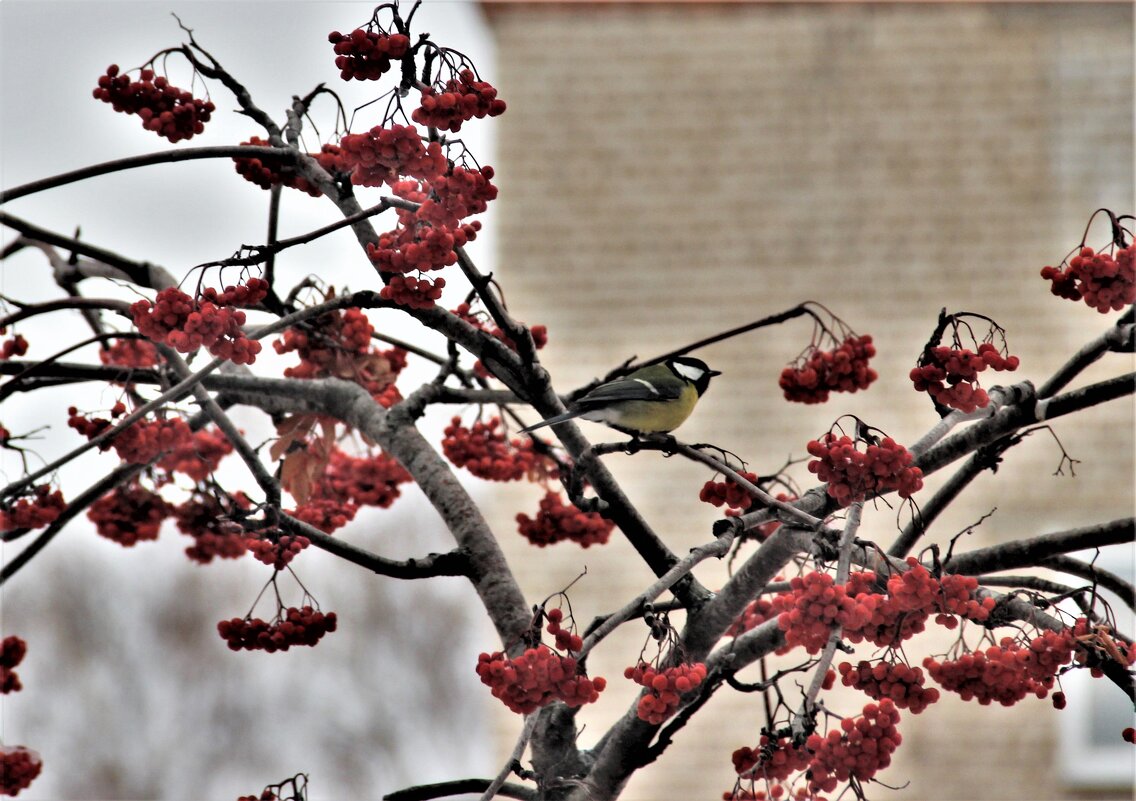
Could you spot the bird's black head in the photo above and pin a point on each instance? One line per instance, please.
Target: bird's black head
(693, 370)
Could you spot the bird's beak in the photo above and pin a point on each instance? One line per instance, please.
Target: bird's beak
(713, 373)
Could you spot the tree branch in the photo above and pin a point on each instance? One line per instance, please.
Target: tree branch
(1030, 552)
(453, 563)
(425, 792)
(1107, 579)
(141, 273)
(148, 160)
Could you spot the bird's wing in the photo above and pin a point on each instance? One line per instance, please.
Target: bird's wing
(627, 389)
(560, 418)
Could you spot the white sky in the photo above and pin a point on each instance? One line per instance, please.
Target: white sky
(140, 717)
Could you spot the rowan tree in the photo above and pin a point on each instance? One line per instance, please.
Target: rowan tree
(821, 565)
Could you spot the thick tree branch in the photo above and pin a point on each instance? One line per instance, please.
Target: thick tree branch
(141, 273)
(1117, 338)
(705, 626)
(1098, 575)
(394, 431)
(1028, 411)
(1030, 552)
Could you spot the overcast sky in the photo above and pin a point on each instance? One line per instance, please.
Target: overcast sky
(129, 718)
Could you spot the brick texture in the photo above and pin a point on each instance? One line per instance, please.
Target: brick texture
(669, 171)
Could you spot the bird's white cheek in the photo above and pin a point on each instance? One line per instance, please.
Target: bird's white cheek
(688, 372)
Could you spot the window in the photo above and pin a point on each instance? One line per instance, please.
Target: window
(1092, 754)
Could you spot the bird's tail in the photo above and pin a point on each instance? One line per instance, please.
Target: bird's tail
(560, 418)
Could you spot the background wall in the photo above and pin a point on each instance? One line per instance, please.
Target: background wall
(669, 171)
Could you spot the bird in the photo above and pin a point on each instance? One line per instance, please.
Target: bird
(654, 399)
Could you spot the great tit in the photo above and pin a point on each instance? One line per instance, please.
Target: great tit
(652, 400)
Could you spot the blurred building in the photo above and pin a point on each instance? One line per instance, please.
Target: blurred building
(668, 171)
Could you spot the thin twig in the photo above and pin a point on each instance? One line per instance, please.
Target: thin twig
(514, 757)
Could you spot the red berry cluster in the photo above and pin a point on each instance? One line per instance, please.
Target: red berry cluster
(1006, 672)
(299, 626)
(129, 514)
(241, 296)
(843, 369)
(327, 343)
(131, 352)
(14, 346)
(139, 443)
(1103, 281)
(665, 688)
(756, 613)
(914, 589)
(382, 155)
(949, 375)
(566, 639)
(485, 451)
(186, 325)
(727, 493)
(206, 518)
(858, 749)
(338, 344)
(18, 767)
(537, 678)
(12, 651)
(557, 521)
(39, 510)
(456, 195)
(854, 475)
(814, 604)
(895, 680)
(326, 514)
(954, 598)
(887, 623)
(268, 175)
(363, 481)
(776, 792)
(413, 293)
(197, 455)
(278, 552)
(462, 99)
(146, 439)
(420, 247)
(425, 239)
(774, 759)
(90, 427)
(163, 108)
(366, 55)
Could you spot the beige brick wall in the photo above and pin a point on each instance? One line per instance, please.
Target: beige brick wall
(668, 171)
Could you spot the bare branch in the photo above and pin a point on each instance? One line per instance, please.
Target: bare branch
(514, 758)
(1107, 579)
(1030, 552)
(425, 792)
(148, 160)
(453, 563)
